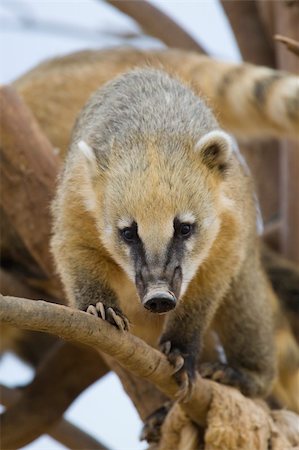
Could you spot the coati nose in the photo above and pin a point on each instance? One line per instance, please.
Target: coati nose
(159, 301)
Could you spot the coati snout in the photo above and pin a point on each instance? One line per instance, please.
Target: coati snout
(159, 294)
(159, 301)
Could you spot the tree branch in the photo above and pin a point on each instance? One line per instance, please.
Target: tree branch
(242, 420)
(157, 24)
(131, 352)
(249, 32)
(29, 170)
(63, 431)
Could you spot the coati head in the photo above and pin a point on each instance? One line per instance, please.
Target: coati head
(156, 190)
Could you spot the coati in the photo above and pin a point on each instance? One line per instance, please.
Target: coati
(155, 224)
(57, 89)
(249, 100)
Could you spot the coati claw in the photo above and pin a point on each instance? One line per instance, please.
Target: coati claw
(112, 316)
(165, 347)
(186, 388)
(100, 308)
(174, 356)
(151, 431)
(120, 321)
(183, 371)
(92, 310)
(224, 374)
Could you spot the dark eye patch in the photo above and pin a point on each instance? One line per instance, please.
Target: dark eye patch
(183, 230)
(130, 234)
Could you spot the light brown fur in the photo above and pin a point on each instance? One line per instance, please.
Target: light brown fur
(57, 89)
(142, 131)
(247, 99)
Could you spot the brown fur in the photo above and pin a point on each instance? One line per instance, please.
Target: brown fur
(57, 89)
(248, 100)
(152, 175)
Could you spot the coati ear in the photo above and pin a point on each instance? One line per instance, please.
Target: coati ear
(215, 149)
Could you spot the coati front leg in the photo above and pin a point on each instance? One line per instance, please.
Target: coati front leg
(183, 336)
(83, 270)
(98, 299)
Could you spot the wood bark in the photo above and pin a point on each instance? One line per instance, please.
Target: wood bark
(29, 169)
(129, 351)
(154, 22)
(244, 423)
(63, 431)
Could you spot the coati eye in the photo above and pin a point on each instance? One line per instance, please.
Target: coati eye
(129, 234)
(185, 229)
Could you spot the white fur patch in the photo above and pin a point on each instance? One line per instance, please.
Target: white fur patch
(187, 217)
(108, 230)
(86, 150)
(124, 222)
(215, 136)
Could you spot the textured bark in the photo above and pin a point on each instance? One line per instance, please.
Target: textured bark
(63, 431)
(129, 351)
(231, 421)
(64, 374)
(28, 175)
(157, 24)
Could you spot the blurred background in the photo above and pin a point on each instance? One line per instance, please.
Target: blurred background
(32, 31)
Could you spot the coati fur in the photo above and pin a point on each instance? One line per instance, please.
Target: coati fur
(155, 221)
(57, 89)
(249, 100)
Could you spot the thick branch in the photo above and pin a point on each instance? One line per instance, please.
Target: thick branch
(249, 32)
(29, 169)
(63, 431)
(65, 372)
(132, 353)
(157, 24)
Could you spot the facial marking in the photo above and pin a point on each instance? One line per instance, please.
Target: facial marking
(86, 150)
(187, 217)
(124, 222)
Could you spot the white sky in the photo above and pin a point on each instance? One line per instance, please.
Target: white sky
(103, 410)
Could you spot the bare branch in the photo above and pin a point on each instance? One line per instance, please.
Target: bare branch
(249, 31)
(29, 166)
(291, 44)
(131, 352)
(157, 24)
(63, 431)
(244, 422)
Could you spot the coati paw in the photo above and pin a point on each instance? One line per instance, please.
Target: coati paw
(151, 431)
(184, 370)
(224, 374)
(111, 315)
